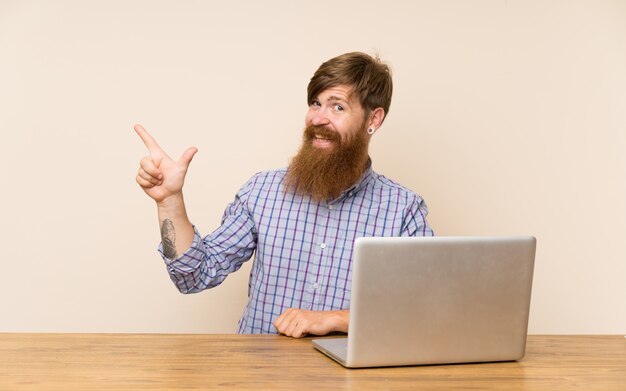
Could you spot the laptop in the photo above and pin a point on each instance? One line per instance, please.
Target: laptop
(436, 300)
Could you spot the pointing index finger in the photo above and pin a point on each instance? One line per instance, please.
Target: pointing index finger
(150, 143)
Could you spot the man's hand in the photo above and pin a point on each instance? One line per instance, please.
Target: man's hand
(298, 323)
(160, 176)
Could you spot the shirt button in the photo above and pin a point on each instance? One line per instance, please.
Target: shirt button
(323, 245)
(316, 285)
(350, 194)
(330, 207)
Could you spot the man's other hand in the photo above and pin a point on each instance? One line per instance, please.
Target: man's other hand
(298, 323)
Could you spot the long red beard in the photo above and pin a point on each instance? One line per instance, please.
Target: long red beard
(323, 174)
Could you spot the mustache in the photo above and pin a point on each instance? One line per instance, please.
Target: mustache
(312, 131)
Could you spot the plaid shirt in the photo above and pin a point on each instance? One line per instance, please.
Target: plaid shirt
(303, 248)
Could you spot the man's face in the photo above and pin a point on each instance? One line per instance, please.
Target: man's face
(339, 113)
(333, 155)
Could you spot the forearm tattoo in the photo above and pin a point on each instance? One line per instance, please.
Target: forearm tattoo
(168, 238)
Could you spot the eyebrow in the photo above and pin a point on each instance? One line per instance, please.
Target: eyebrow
(335, 98)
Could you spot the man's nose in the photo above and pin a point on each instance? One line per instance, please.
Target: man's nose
(320, 118)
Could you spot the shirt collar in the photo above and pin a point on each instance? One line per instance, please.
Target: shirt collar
(359, 185)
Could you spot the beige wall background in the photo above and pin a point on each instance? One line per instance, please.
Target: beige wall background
(508, 117)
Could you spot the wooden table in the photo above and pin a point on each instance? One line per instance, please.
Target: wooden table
(176, 362)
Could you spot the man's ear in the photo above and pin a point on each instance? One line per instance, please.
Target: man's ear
(376, 118)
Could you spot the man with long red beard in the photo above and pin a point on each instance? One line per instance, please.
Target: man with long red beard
(301, 221)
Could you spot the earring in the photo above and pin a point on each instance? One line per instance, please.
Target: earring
(371, 131)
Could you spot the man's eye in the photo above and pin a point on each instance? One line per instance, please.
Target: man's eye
(339, 107)
(315, 103)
